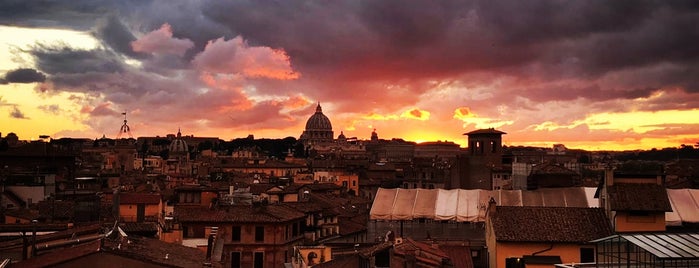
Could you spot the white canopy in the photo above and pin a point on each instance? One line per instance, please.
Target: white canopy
(470, 205)
(467, 205)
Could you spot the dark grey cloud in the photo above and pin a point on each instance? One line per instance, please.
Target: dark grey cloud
(116, 35)
(545, 21)
(17, 114)
(77, 14)
(23, 75)
(376, 41)
(390, 40)
(52, 109)
(55, 59)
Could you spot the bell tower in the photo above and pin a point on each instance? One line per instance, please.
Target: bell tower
(484, 154)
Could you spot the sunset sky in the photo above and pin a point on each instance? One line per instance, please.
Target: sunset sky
(598, 75)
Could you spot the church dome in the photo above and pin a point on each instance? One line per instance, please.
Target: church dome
(178, 145)
(318, 121)
(318, 128)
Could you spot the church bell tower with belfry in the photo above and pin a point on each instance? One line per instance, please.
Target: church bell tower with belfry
(484, 154)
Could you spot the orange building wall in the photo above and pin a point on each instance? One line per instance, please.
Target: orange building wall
(174, 236)
(349, 179)
(12, 219)
(128, 212)
(207, 198)
(569, 253)
(324, 254)
(291, 198)
(623, 222)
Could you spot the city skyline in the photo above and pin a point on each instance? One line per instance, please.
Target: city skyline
(590, 75)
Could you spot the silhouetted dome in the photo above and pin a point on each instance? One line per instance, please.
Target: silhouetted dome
(342, 136)
(374, 135)
(178, 145)
(318, 121)
(318, 128)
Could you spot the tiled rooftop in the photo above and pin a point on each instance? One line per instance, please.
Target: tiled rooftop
(239, 213)
(134, 198)
(549, 224)
(638, 197)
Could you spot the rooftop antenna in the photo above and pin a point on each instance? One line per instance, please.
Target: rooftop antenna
(124, 128)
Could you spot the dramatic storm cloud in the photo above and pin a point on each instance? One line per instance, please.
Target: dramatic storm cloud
(542, 71)
(23, 76)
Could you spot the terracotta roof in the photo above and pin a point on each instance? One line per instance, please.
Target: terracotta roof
(305, 207)
(258, 188)
(293, 188)
(423, 252)
(154, 250)
(133, 198)
(139, 227)
(63, 234)
(348, 227)
(60, 256)
(549, 224)
(322, 186)
(238, 213)
(638, 197)
(460, 255)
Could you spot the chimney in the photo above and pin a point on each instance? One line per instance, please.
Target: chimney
(609, 176)
(491, 207)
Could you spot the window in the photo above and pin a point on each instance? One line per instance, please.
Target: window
(587, 255)
(236, 234)
(259, 233)
(475, 254)
(354, 183)
(235, 259)
(259, 260)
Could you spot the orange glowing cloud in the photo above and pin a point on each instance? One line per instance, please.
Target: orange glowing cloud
(463, 112)
(469, 118)
(416, 114)
(379, 117)
(296, 102)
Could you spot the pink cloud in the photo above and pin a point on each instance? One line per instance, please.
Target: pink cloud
(235, 56)
(161, 41)
(102, 109)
